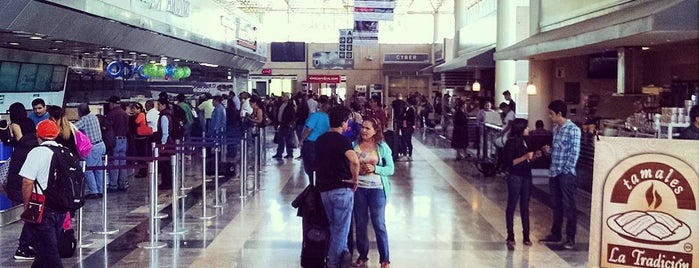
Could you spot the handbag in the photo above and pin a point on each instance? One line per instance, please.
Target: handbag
(83, 143)
(35, 210)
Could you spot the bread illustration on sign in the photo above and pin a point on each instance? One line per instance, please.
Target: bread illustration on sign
(652, 227)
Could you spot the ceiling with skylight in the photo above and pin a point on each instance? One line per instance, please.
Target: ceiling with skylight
(318, 21)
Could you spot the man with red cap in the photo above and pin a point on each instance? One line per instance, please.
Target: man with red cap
(37, 169)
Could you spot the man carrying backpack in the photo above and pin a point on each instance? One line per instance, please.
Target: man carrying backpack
(37, 171)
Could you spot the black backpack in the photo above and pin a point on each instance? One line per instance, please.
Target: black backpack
(64, 191)
(179, 116)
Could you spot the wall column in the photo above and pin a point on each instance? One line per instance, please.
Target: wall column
(506, 36)
(459, 22)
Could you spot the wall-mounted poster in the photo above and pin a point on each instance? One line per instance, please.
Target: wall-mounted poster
(331, 60)
(644, 203)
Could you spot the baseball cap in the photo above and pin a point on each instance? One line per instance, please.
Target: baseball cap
(113, 99)
(47, 130)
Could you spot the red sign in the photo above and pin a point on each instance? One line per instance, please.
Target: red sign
(323, 78)
(267, 71)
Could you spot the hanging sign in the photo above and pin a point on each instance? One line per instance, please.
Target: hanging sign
(644, 203)
(406, 58)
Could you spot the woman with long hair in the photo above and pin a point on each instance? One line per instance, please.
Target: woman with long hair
(66, 137)
(376, 164)
(516, 157)
(23, 140)
(142, 135)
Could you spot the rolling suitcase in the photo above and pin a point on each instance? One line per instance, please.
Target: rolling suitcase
(316, 231)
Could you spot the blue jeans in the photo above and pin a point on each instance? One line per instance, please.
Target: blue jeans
(45, 237)
(95, 178)
(371, 203)
(118, 178)
(338, 208)
(518, 190)
(563, 188)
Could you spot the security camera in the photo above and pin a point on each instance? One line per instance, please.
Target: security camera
(369, 58)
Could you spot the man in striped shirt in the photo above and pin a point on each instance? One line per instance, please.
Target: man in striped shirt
(90, 125)
(562, 180)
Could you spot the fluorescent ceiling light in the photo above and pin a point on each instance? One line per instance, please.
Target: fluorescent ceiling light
(35, 37)
(13, 43)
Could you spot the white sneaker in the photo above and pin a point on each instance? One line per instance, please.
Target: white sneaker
(410, 158)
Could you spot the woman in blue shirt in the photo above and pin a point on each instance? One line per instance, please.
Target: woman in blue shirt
(376, 164)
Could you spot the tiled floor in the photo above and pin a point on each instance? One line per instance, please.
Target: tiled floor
(441, 213)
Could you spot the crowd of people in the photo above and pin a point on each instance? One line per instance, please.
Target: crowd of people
(349, 152)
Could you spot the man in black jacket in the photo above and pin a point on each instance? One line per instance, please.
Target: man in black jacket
(286, 117)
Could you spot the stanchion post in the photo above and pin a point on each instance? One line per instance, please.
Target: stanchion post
(217, 152)
(105, 231)
(175, 208)
(82, 243)
(203, 186)
(181, 157)
(156, 154)
(256, 160)
(243, 165)
(153, 243)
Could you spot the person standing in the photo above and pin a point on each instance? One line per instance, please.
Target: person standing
(182, 103)
(398, 108)
(45, 234)
(286, 119)
(692, 131)
(90, 125)
(207, 105)
(142, 136)
(510, 102)
(66, 137)
(313, 103)
(459, 136)
(152, 115)
(376, 164)
(23, 140)
(408, 127)
(376, 111)
(118, 178)
(40, 113)
(317, 124)
(163, 136)
(217, 126)
(517, 156)
(562, 180)
(337, 171)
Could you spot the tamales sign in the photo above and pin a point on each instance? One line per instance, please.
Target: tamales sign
(644, 203)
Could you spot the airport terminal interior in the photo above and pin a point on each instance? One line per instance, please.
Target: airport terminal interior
(441, 212)
(616, 80)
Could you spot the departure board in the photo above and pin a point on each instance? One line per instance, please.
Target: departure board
(8, 76)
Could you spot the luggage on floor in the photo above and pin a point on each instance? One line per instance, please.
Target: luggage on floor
(224, 168)
(316, 232)
(316, 239)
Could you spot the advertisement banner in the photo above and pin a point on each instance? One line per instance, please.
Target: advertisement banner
(331, 60)
(373, 14)
(375, 3)
(366, 32)
(644, 203)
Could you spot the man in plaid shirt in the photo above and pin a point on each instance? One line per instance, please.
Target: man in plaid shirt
(562, 180)
(90, 125)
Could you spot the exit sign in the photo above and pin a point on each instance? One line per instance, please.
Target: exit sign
(266, 71)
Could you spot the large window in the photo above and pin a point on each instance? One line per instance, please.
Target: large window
(31, 77)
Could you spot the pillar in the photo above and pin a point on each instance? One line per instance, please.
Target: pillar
(506, 36)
